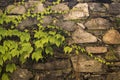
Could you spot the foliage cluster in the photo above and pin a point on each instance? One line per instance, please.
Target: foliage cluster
(35, 44)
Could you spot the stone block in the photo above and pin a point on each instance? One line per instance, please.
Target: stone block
(96, 49)
(82, 64)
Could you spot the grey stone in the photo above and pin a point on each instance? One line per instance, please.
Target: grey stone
(27, 23)
(82, 64)
(55, 65)
(67, 25)
(113, 76)
(112, 37)
(86, 0)
(98, 23)
(81, 36)
(21, 74)
(115, 1)
(114, 8)
(77, 12)
(12, 9)
(81, 25)
(47, 20)
(38, 6)
(60, 7)
(96, 49)
(97, 7)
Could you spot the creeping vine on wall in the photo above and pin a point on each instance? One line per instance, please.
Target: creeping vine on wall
(36, 45)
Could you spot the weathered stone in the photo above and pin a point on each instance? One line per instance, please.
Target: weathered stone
(81, 64)
(115, 1)
(98, 23)
(113, 76)
(81, 36)
(81, 25)
(55, 65)
(21, 74)
(86, 0)
(114, 8)
(97, 77)
(12, 9)
(112, 37)
(67, 25)
(77, 12)
(38, 6)
(60, 7)
(47, 20)
(27, 23)
(97, 7)
(96, 49)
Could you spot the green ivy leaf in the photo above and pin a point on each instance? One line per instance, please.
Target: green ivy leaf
(37, 55)
(2, 50)
(1, 61)
(67, 49)
(10, 67)
(49, 50)
(5, 76)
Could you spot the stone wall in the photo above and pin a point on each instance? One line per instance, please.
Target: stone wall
(94, 25)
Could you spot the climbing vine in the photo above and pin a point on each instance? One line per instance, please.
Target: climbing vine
(35, 44)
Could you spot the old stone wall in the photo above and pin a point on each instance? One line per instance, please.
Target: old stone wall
(94, 25)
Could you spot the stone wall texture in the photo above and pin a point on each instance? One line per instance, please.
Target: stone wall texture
(94, 24)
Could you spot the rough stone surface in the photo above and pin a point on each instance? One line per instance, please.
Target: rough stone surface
(27, 23)
(96, 49)
(21, 74)
(98, 23)
(12, 9)
(67, 25)
(78, 11)
(112, 37)
(84, 65)
(97, 7)
(38, 6)
(60, 7)
(47, 20)
(113, 76)
(114, 8)
(81, 36)
(81, 25)
(55, 65)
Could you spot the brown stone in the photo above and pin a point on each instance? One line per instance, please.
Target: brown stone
(96, 49)
(113, 76)
(82, 63)
(81, 36)
(112, 37)
(97, 23)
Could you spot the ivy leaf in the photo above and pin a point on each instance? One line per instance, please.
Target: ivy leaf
(2, 50)
(37, 55)
(49, 50)
(5, 76)
(38, 44)
(52, 32)
(14, 53)
(67, 49)
(1, 61)
(7, 56)
(10, 67)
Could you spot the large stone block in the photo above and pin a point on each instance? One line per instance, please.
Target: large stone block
(82, 64)
(81, 36)
(114, 8)
(96, 49)
(98, 23)
(77, 12)
(113, 76)
(21, 74)
(55, 65)
(112, 37)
